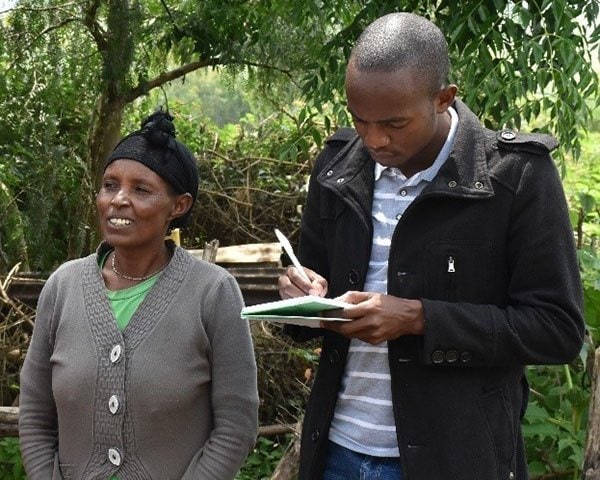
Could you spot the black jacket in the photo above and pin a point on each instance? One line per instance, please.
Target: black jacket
(497, 212)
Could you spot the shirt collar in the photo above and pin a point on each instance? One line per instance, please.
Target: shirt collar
(429, 173)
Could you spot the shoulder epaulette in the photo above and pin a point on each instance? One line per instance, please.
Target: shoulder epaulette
(531, 142)
(342, 135)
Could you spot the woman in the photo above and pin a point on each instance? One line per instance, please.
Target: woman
(139, 365)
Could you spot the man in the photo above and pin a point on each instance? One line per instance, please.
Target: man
(454, 242)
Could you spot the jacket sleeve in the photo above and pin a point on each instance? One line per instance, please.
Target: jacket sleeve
(542, 322)
(234, 388)
(38, 425)
(312, 251)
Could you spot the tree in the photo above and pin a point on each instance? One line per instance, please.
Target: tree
(82, 65)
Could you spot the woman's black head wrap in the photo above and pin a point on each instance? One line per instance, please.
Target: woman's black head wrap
(155, 146)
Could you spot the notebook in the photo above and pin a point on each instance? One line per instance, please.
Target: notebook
(308, 311)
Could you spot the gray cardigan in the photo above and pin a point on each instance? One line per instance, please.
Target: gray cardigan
(173, 396)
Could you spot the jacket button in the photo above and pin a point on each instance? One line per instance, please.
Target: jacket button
(334, 356)
(478, 185)
(508, 135)
(437, 356)
(353, 277)
(314, 436)
(452, 184)
(451, 356)
(329, 173)
(465, 357)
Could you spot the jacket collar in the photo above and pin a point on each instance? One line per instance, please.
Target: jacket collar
(350, 173)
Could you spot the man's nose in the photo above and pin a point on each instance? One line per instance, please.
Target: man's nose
(376, 137)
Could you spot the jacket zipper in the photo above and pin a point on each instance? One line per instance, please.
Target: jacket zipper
(451, 271)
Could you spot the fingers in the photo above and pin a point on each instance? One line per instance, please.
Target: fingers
(292, 284)
(377, 317)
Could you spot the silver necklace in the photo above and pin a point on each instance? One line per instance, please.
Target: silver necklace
(134, 279)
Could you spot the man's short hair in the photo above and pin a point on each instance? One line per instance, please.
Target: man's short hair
(404, 40)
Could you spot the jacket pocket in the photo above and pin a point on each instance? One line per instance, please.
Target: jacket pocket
(497, 414)
(462, 272)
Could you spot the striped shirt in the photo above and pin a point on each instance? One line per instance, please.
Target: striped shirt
(363, 420)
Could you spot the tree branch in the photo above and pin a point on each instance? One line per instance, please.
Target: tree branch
(93, 27)
(145, 87)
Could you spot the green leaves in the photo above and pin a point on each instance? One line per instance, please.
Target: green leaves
(10, 460)
(552, 426)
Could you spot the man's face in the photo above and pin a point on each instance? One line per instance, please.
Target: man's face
(399, 120)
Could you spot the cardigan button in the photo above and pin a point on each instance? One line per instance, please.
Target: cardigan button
(353, 277)
(465, 357)
(115, 353)
(114, 456)
(452, 184)
(314, 436)
(478, 185)
(113, 404)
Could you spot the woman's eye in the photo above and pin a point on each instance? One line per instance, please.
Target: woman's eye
(142, 190)
(109, 186)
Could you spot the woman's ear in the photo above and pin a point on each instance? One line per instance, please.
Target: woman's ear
(183, 202)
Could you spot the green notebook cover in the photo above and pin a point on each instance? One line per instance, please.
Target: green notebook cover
(304, 311)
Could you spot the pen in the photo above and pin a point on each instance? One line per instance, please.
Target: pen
(285, 243)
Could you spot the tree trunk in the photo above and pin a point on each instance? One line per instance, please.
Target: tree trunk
(591, 462)
(103, 136)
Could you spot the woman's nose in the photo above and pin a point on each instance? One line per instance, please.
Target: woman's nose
(121, 197)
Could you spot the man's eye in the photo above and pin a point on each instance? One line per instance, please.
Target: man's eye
(396, 126)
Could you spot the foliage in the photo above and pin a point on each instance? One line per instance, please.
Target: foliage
(263, 459)
(552, 427)
(582, 186)
(531, 58)
(73, 71)
(11, 466)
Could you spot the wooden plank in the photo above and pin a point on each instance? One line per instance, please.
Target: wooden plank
(269, 253)
(9, 422)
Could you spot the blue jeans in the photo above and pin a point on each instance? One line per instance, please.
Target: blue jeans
(345, 464)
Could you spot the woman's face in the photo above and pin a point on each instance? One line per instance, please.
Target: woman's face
(135, 205)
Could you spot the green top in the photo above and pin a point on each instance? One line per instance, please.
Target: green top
(125, 302)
